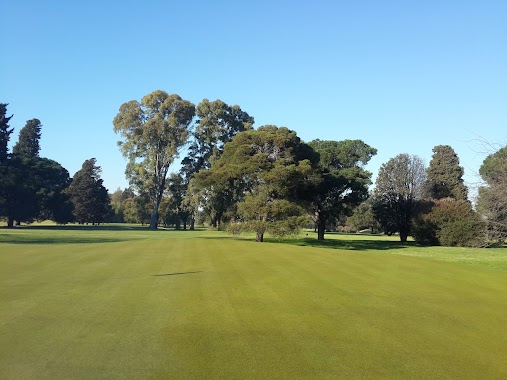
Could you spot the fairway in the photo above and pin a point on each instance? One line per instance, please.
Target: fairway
(105, 303)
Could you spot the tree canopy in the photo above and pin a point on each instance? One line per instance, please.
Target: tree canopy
(153, 133)
(492, 202)
(445, 175)
(88, 195)
(259, 177)
(5, 131)
(399, 192)
(28, 144)
(32, 187)
(342, 183)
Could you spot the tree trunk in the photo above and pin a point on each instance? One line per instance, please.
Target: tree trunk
(259, 237)
(10, 222)
(154, 216)
(321, 228)
(192, 223)
(403, 236)
(320, 232)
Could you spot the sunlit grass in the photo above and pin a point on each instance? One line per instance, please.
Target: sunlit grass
(125, 302)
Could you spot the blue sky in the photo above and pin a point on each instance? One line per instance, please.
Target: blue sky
(403, 76)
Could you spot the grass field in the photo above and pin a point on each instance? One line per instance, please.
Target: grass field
(124, 302)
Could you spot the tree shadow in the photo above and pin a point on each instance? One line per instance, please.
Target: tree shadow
(102, 227)
(23, 239)
(78, 234)
(174, 274)
(369, 243)
(347, 244)
(85, 227)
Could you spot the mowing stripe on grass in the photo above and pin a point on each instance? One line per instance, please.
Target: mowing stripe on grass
(170, 306)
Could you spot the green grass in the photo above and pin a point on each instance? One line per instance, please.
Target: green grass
(123, 302)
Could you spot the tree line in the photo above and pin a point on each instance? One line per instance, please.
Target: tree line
(38, 188)
(267, 180)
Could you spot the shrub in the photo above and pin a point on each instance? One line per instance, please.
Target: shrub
(450, 222)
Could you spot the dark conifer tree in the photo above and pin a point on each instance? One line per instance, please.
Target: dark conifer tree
(6, 180)
(5, 132)
(88, 195)
(445, 175)
(28, 144)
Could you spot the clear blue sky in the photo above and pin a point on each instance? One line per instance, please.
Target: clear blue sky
(403, 76)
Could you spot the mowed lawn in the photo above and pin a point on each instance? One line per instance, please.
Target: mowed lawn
(105, 303)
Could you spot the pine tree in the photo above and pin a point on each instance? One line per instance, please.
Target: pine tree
(28, 143)
(88, 195)
(7, 174)
(445, 175)
(5, 132)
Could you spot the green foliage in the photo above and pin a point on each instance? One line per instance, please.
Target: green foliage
(29, 137)
(341, 182)
(118, 201)
(363, 217)
(6, 180)
(445, 175)
(262, 213)
(492, 202)
(32, 188)
(50, 181)
(138, 210)
(261, 173)
(177, 190)
(450, 222)
(153, 133)
(216, 125)
(399, 194)
(88, 195)
(494, 167)
(5, 133)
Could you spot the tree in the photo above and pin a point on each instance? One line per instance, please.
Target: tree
(153, 131)
(88, 195)
(258, 179)
(362, 217)
(343, 182)
(34, 186)
(5, 132)
(216, 125)
(449, 222)
(24, 205)
(398, 194)
(445, 175)
(6, 176)
(118, 201)
(50, 183)
(138, 210)
(492, 201)
(28, 144)
(177, 191)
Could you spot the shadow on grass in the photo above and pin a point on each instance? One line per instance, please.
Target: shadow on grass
(371, 243)
(84, 227)
(23, 239)
(174, 274)
(77, 234)
(347, 244)
(103, 227)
